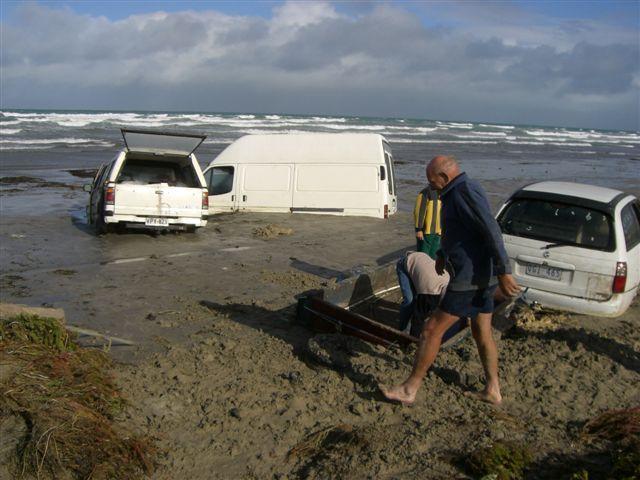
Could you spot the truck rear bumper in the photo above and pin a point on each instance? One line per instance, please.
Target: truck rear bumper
(174, 223)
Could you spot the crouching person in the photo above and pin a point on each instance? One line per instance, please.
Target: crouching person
(421, 290)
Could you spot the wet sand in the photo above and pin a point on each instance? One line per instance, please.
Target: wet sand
(229, 390)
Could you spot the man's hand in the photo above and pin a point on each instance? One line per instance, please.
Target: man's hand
(508, 284)
(420, 235)
(440, 266)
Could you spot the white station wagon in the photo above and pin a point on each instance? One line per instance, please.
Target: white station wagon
(575, 247)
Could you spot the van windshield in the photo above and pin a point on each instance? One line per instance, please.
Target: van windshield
(558, 223)
(144, 172)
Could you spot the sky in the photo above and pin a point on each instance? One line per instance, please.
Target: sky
(560, 63)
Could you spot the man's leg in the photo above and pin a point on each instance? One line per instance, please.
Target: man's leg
(428, 347)
(481, 329)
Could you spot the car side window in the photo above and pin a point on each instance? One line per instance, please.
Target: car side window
(220, 180)
(98, 176)
(630, 226)
(105, 175)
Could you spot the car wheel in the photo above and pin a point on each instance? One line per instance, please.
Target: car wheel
(101, 225)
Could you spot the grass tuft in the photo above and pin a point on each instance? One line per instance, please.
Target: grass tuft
(68, 402)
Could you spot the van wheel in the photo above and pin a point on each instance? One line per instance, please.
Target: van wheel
(190, 230)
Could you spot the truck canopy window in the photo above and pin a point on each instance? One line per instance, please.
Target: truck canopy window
(144, 172)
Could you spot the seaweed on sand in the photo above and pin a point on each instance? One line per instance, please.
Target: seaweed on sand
(327, 438)
(621, 430)
(329, 449)
(502, 460)
(68, 402)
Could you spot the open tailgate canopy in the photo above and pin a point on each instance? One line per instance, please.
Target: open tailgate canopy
(172, 143)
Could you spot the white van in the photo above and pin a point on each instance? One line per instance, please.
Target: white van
(576, 247)
(155, 183)
(327, 173)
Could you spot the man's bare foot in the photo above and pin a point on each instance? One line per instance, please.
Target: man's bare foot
(399, 393)
(486, 396)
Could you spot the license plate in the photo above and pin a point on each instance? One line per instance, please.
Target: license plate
(156, 222)
(543, 271)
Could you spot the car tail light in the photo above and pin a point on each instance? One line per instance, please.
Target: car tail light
(205, 200)
(110, 195)
(386, 211)
(620, 280)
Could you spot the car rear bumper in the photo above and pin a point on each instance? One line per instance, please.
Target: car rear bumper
(613, 307)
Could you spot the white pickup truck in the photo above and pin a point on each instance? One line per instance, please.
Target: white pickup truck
(154, 183)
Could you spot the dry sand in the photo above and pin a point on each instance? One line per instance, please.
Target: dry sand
(247, 390)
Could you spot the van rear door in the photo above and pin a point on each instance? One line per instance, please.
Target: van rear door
(391, 179)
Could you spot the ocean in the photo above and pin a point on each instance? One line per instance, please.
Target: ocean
(45, 143)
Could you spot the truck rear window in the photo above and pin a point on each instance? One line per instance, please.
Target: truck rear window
(144, 172)
(560, 223)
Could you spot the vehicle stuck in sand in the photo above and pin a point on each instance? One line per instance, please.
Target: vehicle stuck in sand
(320, 173)
(575, 247)
(154, 183)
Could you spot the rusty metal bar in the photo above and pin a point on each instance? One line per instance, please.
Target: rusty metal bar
(324, 316)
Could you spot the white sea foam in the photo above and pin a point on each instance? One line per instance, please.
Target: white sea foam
(456, 125)
(479, 135)
(273, 117)
(53, 141)
(428, 140)
(9, 131)
(27, 147)
(506, 127)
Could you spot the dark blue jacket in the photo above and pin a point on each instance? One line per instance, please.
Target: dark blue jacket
(471, 238)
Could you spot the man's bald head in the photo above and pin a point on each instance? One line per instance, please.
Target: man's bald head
(441, 170)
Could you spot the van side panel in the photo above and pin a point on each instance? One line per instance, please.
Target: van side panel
(338, 188)
(266, 188)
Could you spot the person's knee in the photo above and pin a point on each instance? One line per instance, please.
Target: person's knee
(432, 328)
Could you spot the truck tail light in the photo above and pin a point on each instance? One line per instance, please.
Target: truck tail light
(620, 280)
(110, 195)
(205, 200)
(386, 211)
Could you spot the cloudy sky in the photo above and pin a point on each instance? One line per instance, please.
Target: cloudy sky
(548, 63)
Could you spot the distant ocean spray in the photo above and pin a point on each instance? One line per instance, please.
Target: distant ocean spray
(37, 130)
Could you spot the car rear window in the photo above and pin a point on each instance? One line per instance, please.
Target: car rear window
(144, 172)
(560, 223)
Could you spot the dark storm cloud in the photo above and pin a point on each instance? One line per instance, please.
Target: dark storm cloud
(310, 58)
(600, 69)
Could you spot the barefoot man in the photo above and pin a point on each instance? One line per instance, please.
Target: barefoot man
(473, 253)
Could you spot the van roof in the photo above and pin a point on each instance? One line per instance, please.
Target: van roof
(580, 190)
(304, 148)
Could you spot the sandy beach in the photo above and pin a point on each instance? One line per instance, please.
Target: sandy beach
(229, 389)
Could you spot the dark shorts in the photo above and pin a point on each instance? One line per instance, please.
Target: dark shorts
(468, 303)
